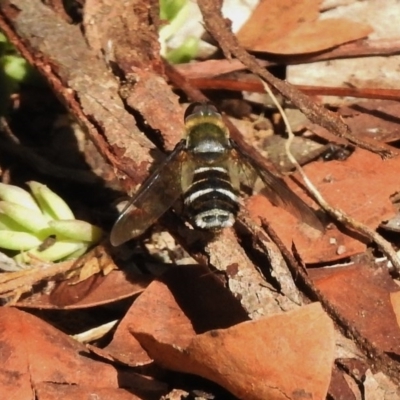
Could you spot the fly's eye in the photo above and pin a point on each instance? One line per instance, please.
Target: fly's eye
(193, 108)
(200, 109)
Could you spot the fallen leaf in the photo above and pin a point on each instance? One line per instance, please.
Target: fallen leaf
(94, 291)
(395, 301)
(202, 297)
(291, 27)
(378, 386)
(339, 388)
(357, 367)
(361, 294)
(300, 342)
(34, 353)
(312, 245)
(372, 119)
(54, 391)
(252, 359)
(361, 186)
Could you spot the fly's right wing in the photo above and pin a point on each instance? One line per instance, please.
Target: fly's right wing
(275, 189)
(156, 195)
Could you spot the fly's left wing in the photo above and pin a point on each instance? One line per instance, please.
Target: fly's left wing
(275, 189)
(156, 195)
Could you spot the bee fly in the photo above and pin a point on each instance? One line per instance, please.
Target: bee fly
(207, 169)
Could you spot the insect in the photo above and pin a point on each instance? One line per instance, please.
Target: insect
(206, 169)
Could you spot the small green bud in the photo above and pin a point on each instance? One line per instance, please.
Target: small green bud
(77, 230)
(185, 52)
(17, 195)
(50, 203)
(8, 224)
(59, 250)
(18, 240)
(15, 67)
(32, 221)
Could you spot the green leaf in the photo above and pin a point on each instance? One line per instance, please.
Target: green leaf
(170, 8)
(184, 53)
(15, 67)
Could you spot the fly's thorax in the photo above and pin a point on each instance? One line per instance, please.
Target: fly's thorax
(207, 138)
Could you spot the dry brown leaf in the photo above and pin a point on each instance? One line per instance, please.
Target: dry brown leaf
(53, 391)
(361, 294)
(202, 297)
(312, 245)
(94, 291)
(277, 357)
(395, 301)
(253, 360)
(374, 119)
(33, 353)
(339, 387)
(291, 27)
(361, 186)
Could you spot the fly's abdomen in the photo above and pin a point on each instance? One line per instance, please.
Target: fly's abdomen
(211, 202)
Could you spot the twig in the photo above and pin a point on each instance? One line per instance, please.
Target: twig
(252, 84)
(95, 333)
(14, 284)
(359, 48)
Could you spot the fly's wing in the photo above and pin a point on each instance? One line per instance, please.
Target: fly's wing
(156, 195)
(275, 189)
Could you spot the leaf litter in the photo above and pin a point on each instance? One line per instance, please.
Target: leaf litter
(199, 345)
(194, 320)
(362, 186)
(50, 358)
